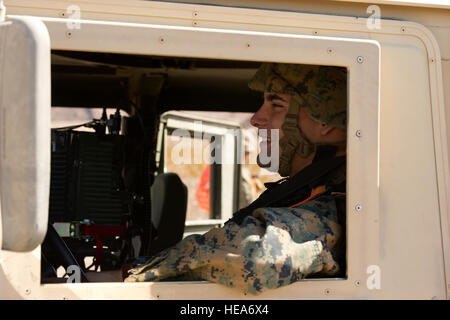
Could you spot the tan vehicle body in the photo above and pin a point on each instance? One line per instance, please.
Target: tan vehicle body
(399, 115)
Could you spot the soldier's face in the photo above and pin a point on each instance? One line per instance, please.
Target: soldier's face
(270, 116)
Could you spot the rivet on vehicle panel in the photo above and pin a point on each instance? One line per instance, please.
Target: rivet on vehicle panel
(358, 207)
(248, 45)
(432, 60)
(69, 34)
(27, 291)
(195, 23)
(62, 14)
(358, 133)
(360, 59)
(161, 40)
(195, 14)
(315, 33)
(327, 292)
(357, 283)
(329, 50)
(403, 29)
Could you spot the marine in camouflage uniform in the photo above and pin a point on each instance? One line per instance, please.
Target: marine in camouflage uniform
(274, 245)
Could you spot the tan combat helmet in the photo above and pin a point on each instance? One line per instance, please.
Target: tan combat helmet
(320, 90)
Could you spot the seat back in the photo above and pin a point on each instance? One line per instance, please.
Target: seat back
(169, 205)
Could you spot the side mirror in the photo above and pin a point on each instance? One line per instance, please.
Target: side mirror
(24, 132)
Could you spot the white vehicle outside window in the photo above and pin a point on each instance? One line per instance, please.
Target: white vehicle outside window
(204, 153)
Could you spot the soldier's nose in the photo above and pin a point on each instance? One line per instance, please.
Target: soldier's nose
(259, 119)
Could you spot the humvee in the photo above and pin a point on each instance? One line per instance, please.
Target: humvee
(68, 194)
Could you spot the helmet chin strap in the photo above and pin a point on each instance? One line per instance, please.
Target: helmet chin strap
(293, 141)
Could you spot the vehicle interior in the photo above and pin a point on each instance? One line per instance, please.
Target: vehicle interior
(108, 198)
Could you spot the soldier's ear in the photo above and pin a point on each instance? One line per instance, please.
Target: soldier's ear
(325, 129)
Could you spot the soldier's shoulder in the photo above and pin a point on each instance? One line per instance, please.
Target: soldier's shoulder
(324, 205)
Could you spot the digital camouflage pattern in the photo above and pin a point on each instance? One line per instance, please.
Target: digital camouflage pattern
(319, 90)
(272, 248)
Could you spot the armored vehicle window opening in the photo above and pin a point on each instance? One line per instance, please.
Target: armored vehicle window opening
(363, 96)
(159, 85)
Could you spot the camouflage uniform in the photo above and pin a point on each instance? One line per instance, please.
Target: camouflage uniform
(270, 248)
